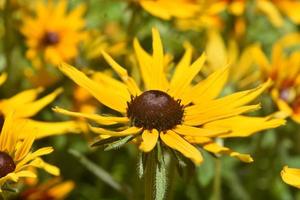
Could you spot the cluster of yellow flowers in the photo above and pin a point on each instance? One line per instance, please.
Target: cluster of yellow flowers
(179, 106)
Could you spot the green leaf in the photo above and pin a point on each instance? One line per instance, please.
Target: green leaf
(103, 142)
(119, 143)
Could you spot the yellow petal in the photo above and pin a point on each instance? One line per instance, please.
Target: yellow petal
(145, 63)
(176, 142)
(178, 88)
(209, 88)
(24, 147)
(242, 126)
(44, 129)
(291, 176)
(271, 11)
(131, 84)
(38, 162)
(26, 173)
(217, 149)
(149, 140)
(8, 138)
(30, 109)
(98, 91)
(107, 120)
(196, 131)
(130, 131)
(158, 62)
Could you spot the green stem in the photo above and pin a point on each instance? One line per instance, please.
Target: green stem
(150, 175)
(217, 181)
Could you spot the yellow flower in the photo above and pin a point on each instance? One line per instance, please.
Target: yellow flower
(25, 105)
(15, 153)
(180, 114)
(57, 39)
(291, 176)
(284, 70)
(54, 188)
(242, 71)
(166, 9)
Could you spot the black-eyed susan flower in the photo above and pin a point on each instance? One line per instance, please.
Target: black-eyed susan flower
(25, 105)
(57, 39)
(15, 153)
(291, 176)
(283, 69)
(179, 113)
(54, 189)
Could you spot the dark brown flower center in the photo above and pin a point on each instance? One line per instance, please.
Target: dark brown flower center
(7, 164)
(155, 109)
(50, 38)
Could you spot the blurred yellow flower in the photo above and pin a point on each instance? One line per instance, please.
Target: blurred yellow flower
(291, 176)
(15, 153)
(166, 9)
(284, 70)
(52, 34)
(25, 105)
(178, 113)
(54, 189)
(243, 73)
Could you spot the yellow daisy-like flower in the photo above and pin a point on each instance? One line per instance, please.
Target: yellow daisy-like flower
(291, 176)
(25, 105)
(180, 114)
(57, 39)
(54, 189)
(15, 153)
(166, 9)
(284, 70)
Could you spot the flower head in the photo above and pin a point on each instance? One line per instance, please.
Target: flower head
(177, 112)
(57, 39)
(284, 70)
(15, 154)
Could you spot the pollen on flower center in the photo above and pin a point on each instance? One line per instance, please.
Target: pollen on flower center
(155, 109)
(50, 38)
(7, 164)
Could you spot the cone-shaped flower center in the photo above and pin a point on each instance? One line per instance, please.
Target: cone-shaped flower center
(155, 109)
(7, 164)
(50, 38)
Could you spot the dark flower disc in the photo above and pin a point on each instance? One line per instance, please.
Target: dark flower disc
(7, 164)
(155, 109)
(50, 38)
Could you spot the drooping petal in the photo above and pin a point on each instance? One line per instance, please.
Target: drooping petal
(149, 140)
(51, 169)
(98, 91)
(176, 142)
(24, 147)
(217, 149)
